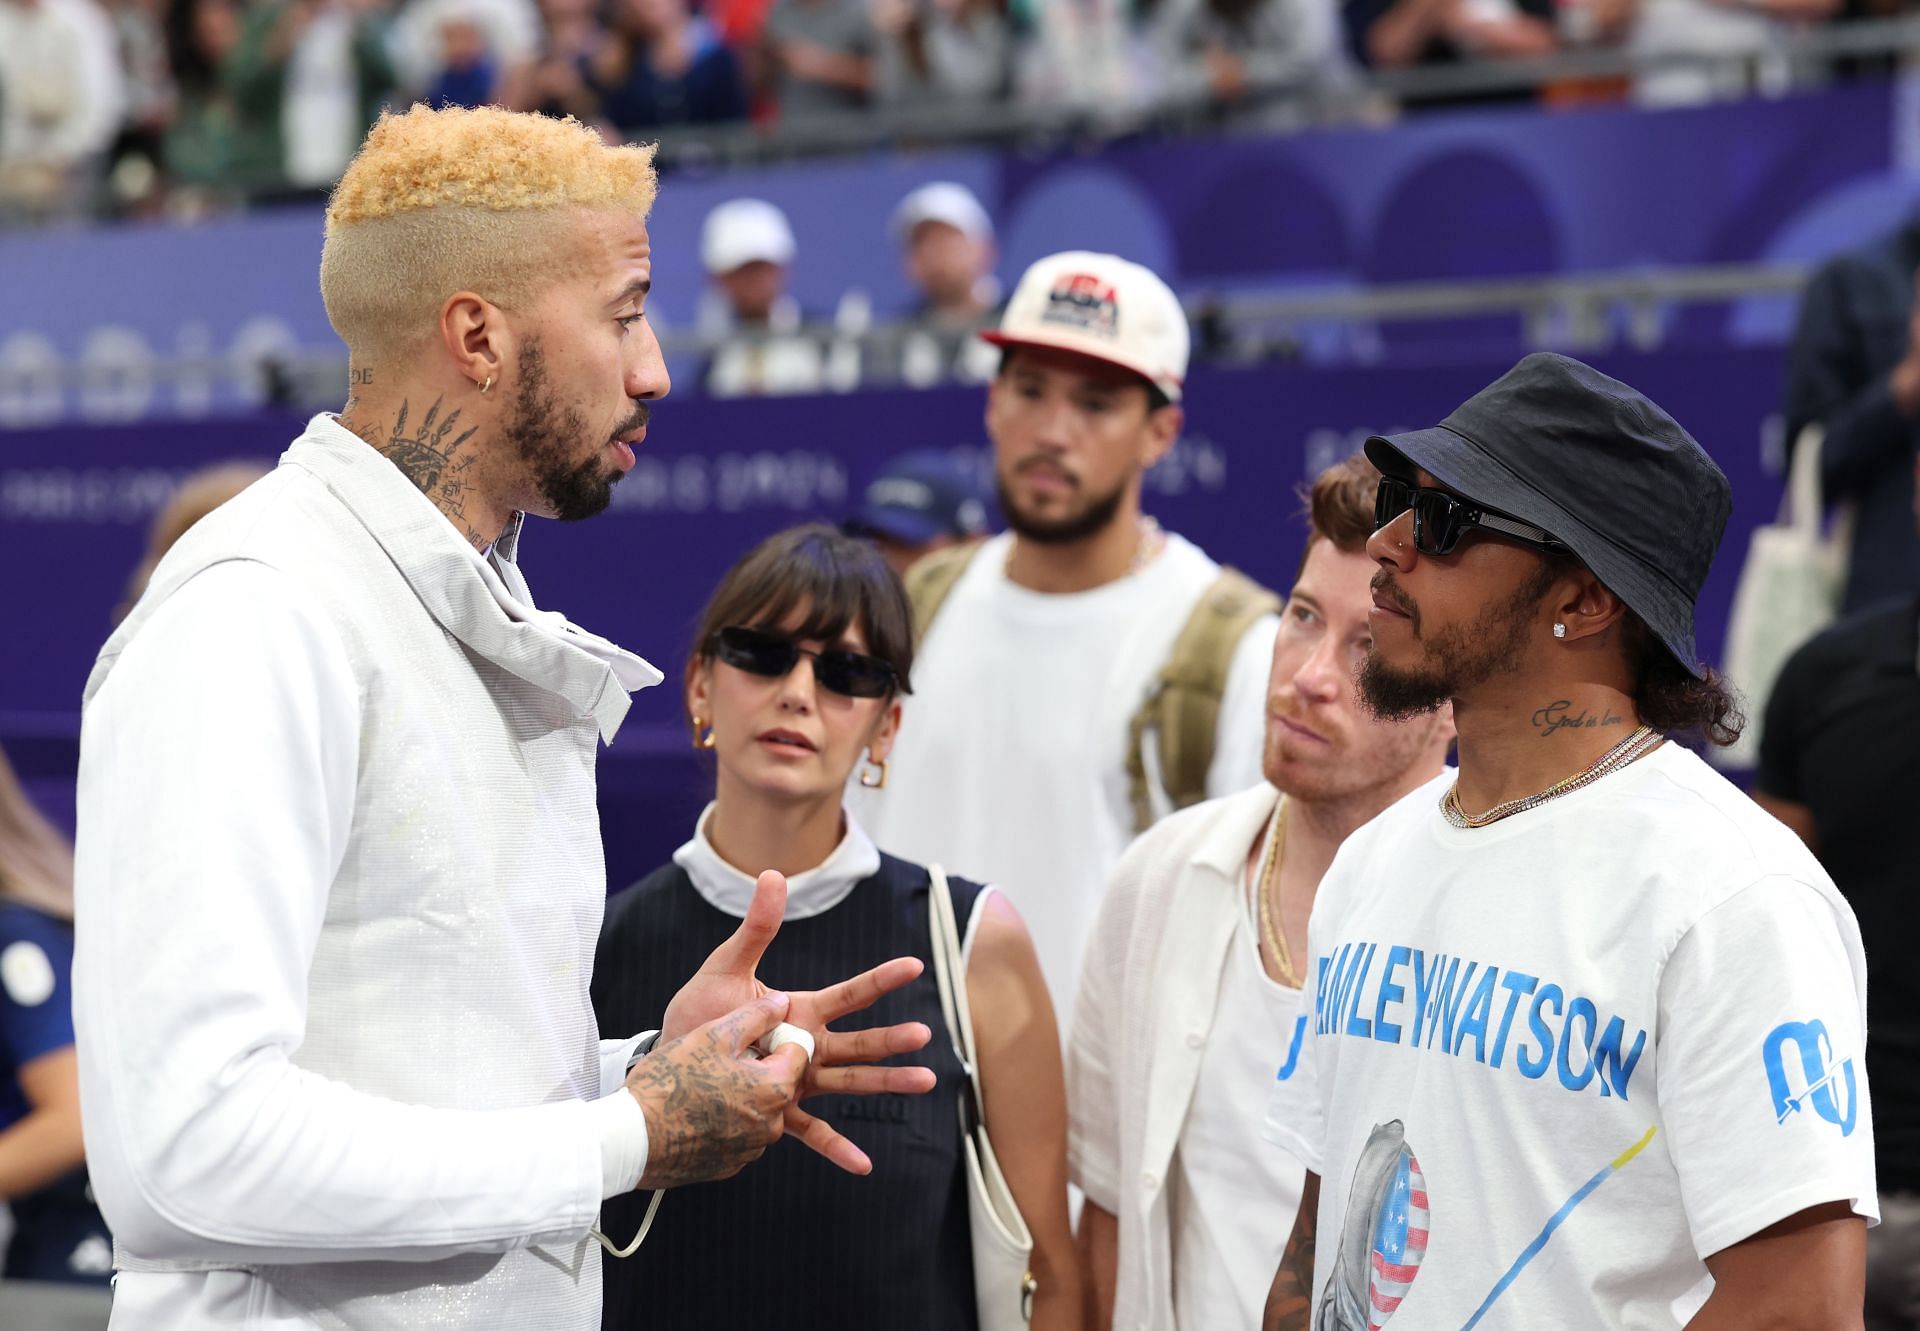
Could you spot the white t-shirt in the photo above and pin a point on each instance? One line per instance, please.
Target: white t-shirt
(1231, 1208)
(1011, 764)
(1553, 1063)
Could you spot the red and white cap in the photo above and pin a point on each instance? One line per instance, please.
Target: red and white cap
(1101, 306)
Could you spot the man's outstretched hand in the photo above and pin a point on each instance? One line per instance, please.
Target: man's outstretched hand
(843, 1062)
(712, 1106)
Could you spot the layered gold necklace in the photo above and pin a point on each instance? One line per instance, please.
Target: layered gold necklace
(1274, 940)
(1640, 743)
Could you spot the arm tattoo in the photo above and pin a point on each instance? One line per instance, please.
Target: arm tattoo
(430, 457)
(1553, 717)
(1290, 1302)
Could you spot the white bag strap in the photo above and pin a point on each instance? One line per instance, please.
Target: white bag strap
(950, 974)
(1800, 506)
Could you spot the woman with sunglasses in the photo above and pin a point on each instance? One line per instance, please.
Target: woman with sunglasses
(795, 679)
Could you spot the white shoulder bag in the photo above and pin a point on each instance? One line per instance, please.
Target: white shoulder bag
(1003, 1282)
(1790, 588)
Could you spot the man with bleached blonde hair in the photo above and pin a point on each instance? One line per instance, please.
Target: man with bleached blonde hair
(339, 857)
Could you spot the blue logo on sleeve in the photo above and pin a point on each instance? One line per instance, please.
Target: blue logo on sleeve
(1822, 1076)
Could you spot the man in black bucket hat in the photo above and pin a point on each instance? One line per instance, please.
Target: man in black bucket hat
(1586, 1023)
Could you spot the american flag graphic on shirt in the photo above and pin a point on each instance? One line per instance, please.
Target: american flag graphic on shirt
(1399, 1239)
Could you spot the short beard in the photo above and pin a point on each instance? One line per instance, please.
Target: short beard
(1095, 518)
(545, 435)
(1456, 659)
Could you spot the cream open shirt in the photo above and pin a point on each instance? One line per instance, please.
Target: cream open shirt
(1149, 994)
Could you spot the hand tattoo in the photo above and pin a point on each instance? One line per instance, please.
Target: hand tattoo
(1553, 717)
(710, 1112)
(426, 456)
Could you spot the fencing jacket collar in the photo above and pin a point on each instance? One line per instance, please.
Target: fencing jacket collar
(482, 600)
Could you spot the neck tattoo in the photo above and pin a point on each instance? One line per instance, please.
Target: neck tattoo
(430, 455)
(1637, 745)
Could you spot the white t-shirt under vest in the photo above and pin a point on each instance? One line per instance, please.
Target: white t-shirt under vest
(1011, 763)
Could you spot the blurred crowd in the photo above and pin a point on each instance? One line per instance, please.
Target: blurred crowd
(129, 106)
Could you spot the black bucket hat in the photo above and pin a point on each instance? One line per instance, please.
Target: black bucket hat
(1614, 478)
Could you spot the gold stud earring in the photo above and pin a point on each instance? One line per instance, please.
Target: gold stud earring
(702, 741)
(874, 777)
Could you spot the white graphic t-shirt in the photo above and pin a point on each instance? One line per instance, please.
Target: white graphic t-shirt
(1553, 1063)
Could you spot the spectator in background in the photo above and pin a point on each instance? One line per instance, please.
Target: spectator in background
(1222, 50)
(821, 53)
(921, 502)
(140, 32)
(58, 1233)
(554, 82)
(1078, 53)
(232, 65)
(664, 66)
(1839, 764)
(62, 96)
(1855, 369)
(1736, 45)
(338, 75)
(747, 249)
(1398, 34)
(941, 52)
(947, 244)
(468, 74)
(510, 31)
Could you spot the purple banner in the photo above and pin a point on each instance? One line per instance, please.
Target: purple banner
(717, 476)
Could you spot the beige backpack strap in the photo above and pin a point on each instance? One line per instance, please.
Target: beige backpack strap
(1183, 708)
(931, 578)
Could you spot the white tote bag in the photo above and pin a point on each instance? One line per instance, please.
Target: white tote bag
(1003, 1282)
(1790, 588)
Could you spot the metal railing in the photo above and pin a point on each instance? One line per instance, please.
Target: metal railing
(1802, 59)
(1578, 313)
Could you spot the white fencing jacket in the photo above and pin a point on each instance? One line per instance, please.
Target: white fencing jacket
(339, 881)
(1149, 993)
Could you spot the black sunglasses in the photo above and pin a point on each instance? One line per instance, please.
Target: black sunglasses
(774, 655)
(1441, 519)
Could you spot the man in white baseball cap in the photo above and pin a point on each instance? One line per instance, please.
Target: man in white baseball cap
(747, 248)
(947, 247)
(1086, 662)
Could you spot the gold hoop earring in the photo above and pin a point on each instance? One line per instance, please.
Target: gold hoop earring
(701, 741)
(484, 387)
(875, 775)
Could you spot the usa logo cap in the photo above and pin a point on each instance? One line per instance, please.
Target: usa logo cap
(1104, 307)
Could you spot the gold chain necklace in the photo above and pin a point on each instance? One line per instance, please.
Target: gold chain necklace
(1263, 891)
(1640, 743)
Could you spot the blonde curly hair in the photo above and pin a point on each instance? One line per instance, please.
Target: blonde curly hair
(461, 200)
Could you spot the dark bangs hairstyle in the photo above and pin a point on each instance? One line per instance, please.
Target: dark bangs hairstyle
(840, 581)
